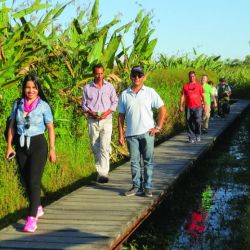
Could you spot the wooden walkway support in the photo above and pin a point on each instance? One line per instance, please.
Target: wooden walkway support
(98, 216)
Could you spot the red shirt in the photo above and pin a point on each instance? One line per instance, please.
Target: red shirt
(193, 93)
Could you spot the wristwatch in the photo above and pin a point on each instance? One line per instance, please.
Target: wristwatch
(158, 128)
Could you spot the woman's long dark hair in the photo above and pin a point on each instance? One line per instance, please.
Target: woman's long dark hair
(33, 77)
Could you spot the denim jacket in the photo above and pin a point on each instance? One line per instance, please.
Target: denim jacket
(34, 123)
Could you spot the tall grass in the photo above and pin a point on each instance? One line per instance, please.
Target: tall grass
(201, 61)
(236, 72)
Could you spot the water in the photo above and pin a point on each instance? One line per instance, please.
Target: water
(210, 207)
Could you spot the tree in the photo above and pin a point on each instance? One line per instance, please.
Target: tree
(247, 60)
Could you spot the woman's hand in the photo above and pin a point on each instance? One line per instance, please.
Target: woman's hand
(52, 150)
(52, 155)
(9, 152)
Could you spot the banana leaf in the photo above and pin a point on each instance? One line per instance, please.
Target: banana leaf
(125, 27)
(96, 51)
(29, 10)
(10, 83)
(142, 30)
(150, 49)
(77, 26)
(61, 9)
(110, 51)
(94, 19)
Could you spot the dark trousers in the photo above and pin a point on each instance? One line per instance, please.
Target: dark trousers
(193, 122)
(31, 162)
(223, 107)
(212, 110)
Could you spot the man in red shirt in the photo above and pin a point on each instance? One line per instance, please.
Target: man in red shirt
(193, 94)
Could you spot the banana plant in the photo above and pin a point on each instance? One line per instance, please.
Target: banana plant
(26, 45)
(85, 44)
(142, 48)
(23, 45)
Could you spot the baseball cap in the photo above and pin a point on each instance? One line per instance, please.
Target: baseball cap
(137, 70)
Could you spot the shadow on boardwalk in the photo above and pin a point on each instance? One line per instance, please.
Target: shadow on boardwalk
(65, 238)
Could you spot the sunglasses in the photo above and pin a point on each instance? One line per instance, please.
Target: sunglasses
(27, 122)
(137, 74)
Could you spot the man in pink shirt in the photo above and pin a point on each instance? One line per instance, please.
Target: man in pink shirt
(98, 103)
(193, 94)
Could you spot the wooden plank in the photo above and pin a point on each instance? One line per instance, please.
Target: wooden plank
(59, 233)
(75, 239)
(66, 233)
(93, 229)
(104, 213)
(45, 245)
(120, 199)
(88, 216)
(96, 207)
(85, 222)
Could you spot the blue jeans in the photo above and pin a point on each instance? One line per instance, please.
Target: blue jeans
(193, 122)
(141, 145)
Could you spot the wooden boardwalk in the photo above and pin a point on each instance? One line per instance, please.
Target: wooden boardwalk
(98, 216)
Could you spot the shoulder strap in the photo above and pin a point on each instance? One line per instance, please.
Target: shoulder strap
(18, 101)
(228, 87)
(17, 106)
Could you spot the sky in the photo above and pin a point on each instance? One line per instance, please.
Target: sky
(212, 27)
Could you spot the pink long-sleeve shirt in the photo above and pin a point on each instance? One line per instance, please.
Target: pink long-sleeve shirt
(99, 99)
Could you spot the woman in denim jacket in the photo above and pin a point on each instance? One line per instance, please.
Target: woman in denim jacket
(30, 116)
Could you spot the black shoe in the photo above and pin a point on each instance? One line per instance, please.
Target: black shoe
(133, 191)
(102, 179)
(148, 192)
(204, 131)
(105, 179)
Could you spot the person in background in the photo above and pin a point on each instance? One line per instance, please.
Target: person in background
(192, 93)
(224, 93)
(209, 96)
(215, 93)
(135, 105)
(98, 103)
(32, 116)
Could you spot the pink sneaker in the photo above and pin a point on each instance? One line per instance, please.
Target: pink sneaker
(30, 225)
(40, 212)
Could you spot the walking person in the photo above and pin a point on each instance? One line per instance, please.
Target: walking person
(135, 106)
(30, 116)
(215, 93)
(224, 93)
(209, 96)
(98, 103)
(193, 94)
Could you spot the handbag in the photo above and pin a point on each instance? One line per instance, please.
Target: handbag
(8, 120)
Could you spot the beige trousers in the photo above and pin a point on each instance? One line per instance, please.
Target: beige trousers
(100, 138)
(206, 116)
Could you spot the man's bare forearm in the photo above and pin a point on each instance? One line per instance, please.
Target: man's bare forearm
(161, 116)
